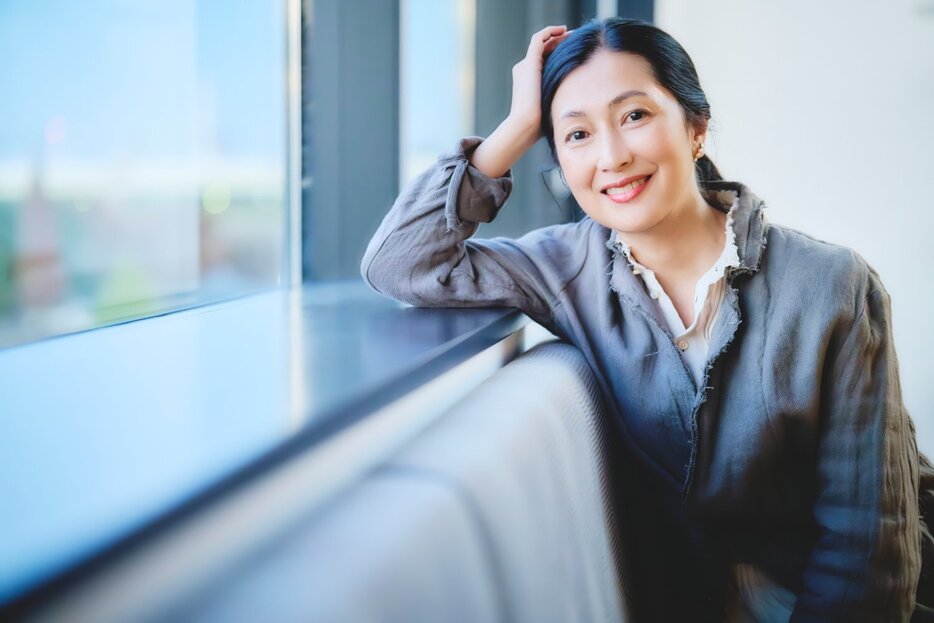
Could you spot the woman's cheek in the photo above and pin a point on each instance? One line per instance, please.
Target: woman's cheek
(651, 144)
(577, 171)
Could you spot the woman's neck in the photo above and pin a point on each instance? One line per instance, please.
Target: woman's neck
(686, 243)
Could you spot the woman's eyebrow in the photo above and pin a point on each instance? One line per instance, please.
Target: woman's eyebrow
(625, 95)
(613, 102)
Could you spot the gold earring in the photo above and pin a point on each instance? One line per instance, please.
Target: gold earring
(699, 152)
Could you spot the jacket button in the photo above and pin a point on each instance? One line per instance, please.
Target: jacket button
(683, 345)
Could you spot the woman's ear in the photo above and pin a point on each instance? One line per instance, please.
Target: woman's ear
(698, 133)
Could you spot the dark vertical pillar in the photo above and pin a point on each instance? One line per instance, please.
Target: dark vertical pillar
(587, 9)
(351, 111)
(503, 32)
(351, 133)
(637, 9)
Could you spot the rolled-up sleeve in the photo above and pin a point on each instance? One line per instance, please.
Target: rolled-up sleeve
(422, 253)
(866, 561)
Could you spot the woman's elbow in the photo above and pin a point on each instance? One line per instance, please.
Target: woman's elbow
(390, 277)
(374, 274)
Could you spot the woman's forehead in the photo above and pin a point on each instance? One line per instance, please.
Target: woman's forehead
(601, 81)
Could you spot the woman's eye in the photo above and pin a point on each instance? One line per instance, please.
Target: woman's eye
(575, 135)
(636, 115)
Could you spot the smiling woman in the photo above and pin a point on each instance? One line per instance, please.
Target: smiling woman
(614, 149)
(598, 135)
(771, 471)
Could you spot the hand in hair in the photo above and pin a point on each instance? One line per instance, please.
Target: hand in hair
(522, 127)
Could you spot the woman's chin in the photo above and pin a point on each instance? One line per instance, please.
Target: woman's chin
(631, 219)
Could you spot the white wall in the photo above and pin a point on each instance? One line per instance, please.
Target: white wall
(826, 110)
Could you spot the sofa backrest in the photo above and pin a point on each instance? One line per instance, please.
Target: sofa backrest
(497, 512)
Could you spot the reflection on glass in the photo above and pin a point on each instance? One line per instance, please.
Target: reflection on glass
(437, 79)
(142, 158)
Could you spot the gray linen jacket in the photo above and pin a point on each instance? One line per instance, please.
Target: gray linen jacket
(796, 453)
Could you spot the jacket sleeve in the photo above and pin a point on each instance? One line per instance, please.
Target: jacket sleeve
(421, 253)
(866, 560)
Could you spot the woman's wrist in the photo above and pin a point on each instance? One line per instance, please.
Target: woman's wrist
(503, 148)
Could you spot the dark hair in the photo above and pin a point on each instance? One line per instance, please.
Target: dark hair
(671, 67)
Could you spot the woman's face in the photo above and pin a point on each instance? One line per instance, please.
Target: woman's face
(623, 143)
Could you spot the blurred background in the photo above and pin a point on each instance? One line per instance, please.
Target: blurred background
(142, 159)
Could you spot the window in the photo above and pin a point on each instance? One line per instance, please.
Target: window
(437, 80)
(388, 86)
(143, 159)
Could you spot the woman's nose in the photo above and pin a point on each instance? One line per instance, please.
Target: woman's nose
(614, 153)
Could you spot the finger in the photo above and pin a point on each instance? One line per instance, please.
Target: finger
(552, 43)
(539, 38)
(549, 31)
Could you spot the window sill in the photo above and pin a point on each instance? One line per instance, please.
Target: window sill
(114, 433)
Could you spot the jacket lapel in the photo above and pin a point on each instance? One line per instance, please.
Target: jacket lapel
(631, 289)
(750, 231)
(748, 221)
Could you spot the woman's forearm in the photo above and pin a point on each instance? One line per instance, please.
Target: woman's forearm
(503, 148)
(521, 128)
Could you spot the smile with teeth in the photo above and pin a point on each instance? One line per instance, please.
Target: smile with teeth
(621, 194)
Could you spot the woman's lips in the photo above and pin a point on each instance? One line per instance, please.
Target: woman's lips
(629, 192)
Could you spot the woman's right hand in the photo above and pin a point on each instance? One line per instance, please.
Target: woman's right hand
(527, 77)
(522, 127)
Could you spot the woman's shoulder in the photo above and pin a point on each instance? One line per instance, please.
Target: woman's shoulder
(569, 236)
(566, 250)
(565, 240)
(784, 249)
(816, 267)
(798, 247)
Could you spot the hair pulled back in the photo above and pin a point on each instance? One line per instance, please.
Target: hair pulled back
(671, 67)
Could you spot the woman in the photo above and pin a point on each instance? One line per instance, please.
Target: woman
(770, 469)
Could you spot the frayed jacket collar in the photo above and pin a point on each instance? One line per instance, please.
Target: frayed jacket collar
(748, 220)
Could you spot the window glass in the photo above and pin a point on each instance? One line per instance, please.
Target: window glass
(142, 158)
(437, 92)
